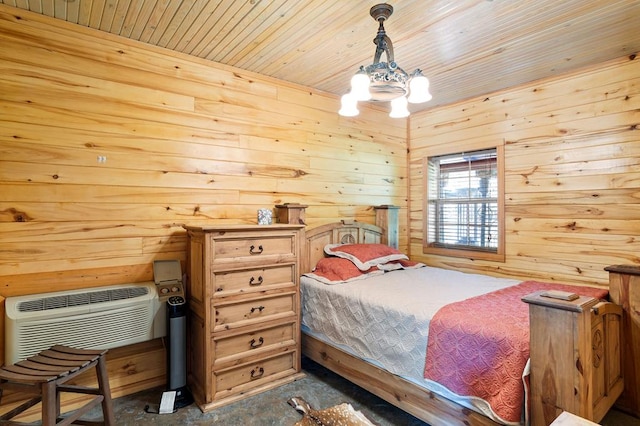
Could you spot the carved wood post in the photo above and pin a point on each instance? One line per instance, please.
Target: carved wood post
(387, 219)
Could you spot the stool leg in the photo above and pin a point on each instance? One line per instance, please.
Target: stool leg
(50, 403)
(103, 384)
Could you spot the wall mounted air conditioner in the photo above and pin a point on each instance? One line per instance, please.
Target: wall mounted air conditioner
(96, 318)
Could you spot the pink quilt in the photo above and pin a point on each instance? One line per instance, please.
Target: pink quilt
(479, 347)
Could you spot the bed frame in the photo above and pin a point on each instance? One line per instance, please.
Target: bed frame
(565, 382)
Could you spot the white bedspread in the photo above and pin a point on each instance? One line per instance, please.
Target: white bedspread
(385, 319)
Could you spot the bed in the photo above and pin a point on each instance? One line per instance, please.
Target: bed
(387, 357)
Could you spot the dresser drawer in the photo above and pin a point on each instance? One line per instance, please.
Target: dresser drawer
(251, 249)
(258, 341)
(236, 380)
(227, 316)
(249, 280)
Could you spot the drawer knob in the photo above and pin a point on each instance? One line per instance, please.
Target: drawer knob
(255, 282)
(253, 344)
(259, 309)
(252, 250)
(256, 373)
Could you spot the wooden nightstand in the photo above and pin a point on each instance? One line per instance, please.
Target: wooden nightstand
(578, 371)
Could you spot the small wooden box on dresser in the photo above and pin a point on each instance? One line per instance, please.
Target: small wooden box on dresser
(244, 310)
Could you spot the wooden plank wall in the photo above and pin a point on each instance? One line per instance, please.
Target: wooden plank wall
(107, 146)
(572, 149)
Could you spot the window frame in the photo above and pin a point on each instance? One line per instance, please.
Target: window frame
(470, 253)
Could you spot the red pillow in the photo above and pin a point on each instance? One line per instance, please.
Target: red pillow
(334, 270)
(365, 256)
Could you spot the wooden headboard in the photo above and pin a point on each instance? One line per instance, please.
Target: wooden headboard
(344, 232)
(385, 231)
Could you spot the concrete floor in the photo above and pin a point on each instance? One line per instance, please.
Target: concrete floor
(320, 388)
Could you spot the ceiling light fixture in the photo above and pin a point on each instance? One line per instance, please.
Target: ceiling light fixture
(385, 81)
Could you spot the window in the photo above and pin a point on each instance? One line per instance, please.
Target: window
(464, 207)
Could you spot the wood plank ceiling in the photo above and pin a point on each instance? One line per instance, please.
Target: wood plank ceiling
(467, 48)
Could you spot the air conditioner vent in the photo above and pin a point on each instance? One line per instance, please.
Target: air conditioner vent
(79, 299)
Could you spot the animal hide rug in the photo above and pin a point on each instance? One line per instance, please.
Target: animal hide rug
(340, 415)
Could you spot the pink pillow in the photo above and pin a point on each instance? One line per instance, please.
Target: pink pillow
(365, 256)
(334, 270)
(400, 264)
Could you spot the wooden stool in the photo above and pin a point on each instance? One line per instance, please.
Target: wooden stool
(44, 375)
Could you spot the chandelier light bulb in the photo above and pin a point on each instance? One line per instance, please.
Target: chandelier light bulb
(419, 88)
(360, 86)
(348, 106)
(399, 108)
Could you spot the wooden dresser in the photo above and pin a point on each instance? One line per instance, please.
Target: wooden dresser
(244, 310)
(624, 289)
